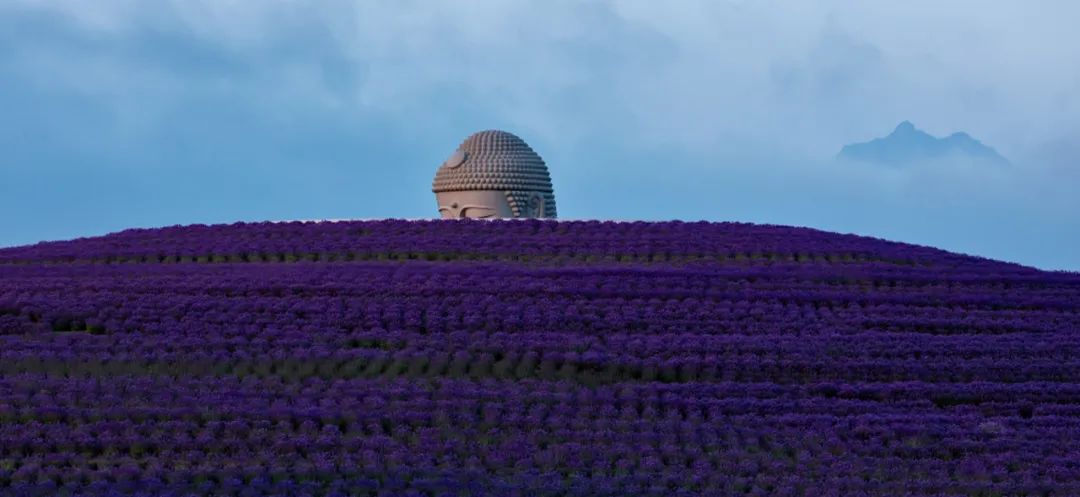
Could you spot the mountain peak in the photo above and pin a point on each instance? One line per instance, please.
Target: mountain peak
(908, 144)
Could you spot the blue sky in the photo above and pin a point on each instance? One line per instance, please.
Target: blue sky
(133, 113)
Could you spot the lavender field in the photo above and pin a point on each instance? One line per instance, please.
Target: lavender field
(532, 358)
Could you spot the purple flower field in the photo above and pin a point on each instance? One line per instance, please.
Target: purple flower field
(532, 358)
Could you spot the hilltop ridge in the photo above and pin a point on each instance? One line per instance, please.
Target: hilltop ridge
(533, 240)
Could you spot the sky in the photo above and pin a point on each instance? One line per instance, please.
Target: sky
(137, 113)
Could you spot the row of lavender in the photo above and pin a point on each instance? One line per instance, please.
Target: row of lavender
(703, 439)
(903, 371)
(528, 240)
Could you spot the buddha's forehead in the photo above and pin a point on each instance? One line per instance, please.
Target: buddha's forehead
(489, 198)
(477, 203)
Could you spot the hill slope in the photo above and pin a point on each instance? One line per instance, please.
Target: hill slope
(531, 358)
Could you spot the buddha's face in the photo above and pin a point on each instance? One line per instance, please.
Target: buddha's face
(480, 204)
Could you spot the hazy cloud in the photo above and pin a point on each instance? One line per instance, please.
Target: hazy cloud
(710, 109)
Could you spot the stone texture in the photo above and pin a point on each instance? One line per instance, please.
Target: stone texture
(494, 161)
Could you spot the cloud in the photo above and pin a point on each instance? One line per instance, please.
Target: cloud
(689, 76)
(716, 109)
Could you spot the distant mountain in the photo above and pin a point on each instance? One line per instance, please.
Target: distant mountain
(907, 144)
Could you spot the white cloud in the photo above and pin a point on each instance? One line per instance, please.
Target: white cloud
(759, 92)
(696, 73)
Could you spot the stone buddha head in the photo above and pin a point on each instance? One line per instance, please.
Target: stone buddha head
(494, 174)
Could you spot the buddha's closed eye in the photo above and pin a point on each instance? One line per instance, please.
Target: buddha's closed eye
(478, 212)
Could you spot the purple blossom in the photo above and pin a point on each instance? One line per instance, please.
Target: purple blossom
(531, 358)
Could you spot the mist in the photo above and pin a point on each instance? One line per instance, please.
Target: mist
(122, 114)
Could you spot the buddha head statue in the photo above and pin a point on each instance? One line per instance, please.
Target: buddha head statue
(494, 174)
